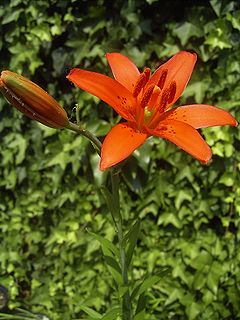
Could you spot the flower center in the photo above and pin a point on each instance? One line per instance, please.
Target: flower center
(152, 99)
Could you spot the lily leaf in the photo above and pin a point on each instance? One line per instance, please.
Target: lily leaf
(112, 314)
(110, 203)
(140, 311)
(114, 269)
(91, 312)
(148, 283)
(131, 238)
(111, 255)
(106, 245)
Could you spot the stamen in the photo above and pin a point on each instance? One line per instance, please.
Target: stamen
(147, 95)
(167, 96)
(164, 100)
(172, 91)
(141, 82)
(162, 79)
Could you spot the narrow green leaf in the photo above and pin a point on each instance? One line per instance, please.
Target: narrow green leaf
(141, 305)
(112, 263)
(14, 317)
(122, 290)
(28, 313)
(148, 282)
(105, 243)
(110, 203)
(112, 314)
(114, 269)
(91, 312)
(140, 315)
(132, 240)
(20, 315)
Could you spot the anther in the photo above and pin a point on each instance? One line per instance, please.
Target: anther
(147, 95)
(164, 100)
(172, 91)
(141, 82)
(162, 79)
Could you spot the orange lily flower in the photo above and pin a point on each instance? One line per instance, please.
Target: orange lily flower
(144, 102)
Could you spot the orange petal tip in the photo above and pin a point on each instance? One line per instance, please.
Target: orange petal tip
(235, 123)
(70, 74)
(206, 161)
(103, 166)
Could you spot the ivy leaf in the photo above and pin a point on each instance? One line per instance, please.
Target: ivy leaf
(186, 31)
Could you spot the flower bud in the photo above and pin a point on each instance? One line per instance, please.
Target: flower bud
(32, 100)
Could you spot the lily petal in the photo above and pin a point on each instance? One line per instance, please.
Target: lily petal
(185, 137)
(200, 116)
(106, 89)
(123, 69)
(178, 69)
(120, 143)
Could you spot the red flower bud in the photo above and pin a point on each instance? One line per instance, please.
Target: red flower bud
(32, 100)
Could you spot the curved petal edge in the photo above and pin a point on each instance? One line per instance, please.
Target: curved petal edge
(200, 116)
(123, 69)
(106, 89)
(119, 144)
(186, 137)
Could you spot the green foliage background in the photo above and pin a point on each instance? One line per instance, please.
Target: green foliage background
(49, 186)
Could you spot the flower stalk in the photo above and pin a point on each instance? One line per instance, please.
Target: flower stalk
(87, 134)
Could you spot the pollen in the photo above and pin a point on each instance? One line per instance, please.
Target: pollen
(141, 82)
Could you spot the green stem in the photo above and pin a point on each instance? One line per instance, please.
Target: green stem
(126, 300)
(96, 143)
(78, 115)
